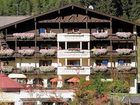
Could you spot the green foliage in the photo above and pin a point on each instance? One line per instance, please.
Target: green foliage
(119, 86)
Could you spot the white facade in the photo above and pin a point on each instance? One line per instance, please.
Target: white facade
(73, 54)
(62, 37)
(73, 71)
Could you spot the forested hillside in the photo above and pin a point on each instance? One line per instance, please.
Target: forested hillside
(128, 9)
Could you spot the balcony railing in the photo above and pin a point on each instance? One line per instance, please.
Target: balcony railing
(73, 37)
(114, 36)
(73, 53)
(124, 68)
(73, 70)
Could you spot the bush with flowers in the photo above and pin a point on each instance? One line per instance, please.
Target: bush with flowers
(48, 35)
(24, 36)
(46, 68)
(48, 52)
(6, 52)
(26, 52)
(123, 34)
(27, 68)
(7, 69)
(124, 51)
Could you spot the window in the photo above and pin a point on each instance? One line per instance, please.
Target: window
(45, 62)
(124, 62)
(102, 62)
(42, 30)
(73, 45)
(74, 62)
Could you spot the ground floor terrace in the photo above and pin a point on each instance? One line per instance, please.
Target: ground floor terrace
(37, 97)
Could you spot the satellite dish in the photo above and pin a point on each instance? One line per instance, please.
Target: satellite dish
(90, 7)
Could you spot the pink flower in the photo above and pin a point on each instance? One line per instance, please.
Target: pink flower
(100, 68)
(123, 34)
(48, 35)
(124, 51)
(99, 51)
(24, 35)
(6, 52)
(100, 35)
(47, 51)
(26, 52)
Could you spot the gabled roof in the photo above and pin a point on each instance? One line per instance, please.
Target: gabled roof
(64, 7)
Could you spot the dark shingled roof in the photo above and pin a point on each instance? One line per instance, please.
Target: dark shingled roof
(4, 20)
(132, 100)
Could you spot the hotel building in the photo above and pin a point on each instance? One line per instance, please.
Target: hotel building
(53, 50)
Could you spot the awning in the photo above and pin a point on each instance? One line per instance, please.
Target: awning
(74, 79)
(17, 76)
(7, 84)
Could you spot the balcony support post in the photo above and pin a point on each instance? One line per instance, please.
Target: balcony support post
(81, 62)
(58, 61)
(88, 45)
(35, 32)
(57, 45)
(80, 45)
(88, 61)
(110, 26)
(66, 61)
(66, 46)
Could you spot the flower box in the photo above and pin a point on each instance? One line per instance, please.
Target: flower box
(26, 52)
(123, 34)
(99, 51)
(7, 69)
(124, 51)
(46, 68)
(6, 52)
(100, 68)
(46, 52)
(123, 68)
(100, 35)
(27, 68)
(48, 35)
(24, 36)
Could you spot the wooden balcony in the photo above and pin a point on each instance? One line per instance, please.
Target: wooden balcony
(36, 71)
(113, 54)
(37, 38)
(114, 70)
(114, 37)
(36, 54)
